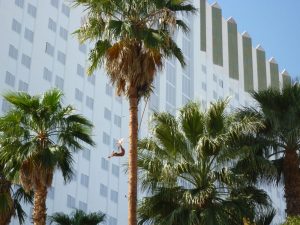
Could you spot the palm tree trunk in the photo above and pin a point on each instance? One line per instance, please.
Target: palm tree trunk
(291, 174)
(5, 218)
(39, 208)
(133, 136)
(8, 212)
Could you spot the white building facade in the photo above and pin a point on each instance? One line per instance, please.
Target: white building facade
(38, 52)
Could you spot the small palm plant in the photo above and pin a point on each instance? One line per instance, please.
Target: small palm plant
(39, 137)
(188, 171)
(78, 217)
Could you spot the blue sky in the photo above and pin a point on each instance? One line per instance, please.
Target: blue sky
(275, 24)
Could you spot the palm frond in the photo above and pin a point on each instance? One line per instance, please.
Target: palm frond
(193, 171)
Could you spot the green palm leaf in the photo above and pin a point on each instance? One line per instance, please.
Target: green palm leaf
(39, 136)
(190, 167)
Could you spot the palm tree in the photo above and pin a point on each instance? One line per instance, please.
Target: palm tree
(187, 170)
(11, 198)
(39, 137)
(280, 112)
(132, 38)
(78, 217)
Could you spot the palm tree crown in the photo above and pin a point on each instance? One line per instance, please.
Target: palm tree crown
(132, 37)
(280, 113)
(38, 137)
(78, 217)
(186, 170)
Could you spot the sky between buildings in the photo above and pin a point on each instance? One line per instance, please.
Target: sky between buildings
(275, 24)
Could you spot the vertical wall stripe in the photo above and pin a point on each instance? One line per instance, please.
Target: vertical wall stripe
(203, 25)
(233, 50)
(248, 64)
(217, 35)
(286, 80)
(261, 69)
(274, 73)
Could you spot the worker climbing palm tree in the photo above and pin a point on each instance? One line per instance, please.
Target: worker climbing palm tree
(121, 150)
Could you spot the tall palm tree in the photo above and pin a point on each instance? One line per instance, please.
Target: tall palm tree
(280, 112)
(132, 38)
(78, 217)
(39, 137)
(187, 170)
(11, 198)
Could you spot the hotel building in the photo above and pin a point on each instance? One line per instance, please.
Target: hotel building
(39, 52)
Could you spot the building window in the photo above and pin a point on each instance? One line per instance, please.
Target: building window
(82, 48)
(237, 97)
(51, 193)
(221, 83)
(117, 120)
(115, 170)
(203, 104)
(65, 10)
(185, 99)
(114, 196)
(186, 86)
(203, 68)
(106, 138)
(75, 175)
(154, 102)
(80, 70)
(204, 88)
(63, 33)
(54, 3)
(104, 164)
(31, 10)
(186, 47)
(70, 201)
(78, 95)
(13, 52)
(171, 74)
(89, 102)
(5, 106)
(10, 79)
(119, 99)
(26, 61)
(171, 94)
(170, 109)
(103, 190)
(28, 35)
(52, 25)
(215, 77)
(23, 86)
(91, 79)
(59, 82)
(108, 89)
(215, 95)
(107, 114)
(86, 153)
(114, 142)
(47, 74)
(16, 26)
(61, 57)
(49, 49)
(84, 180)
(112, 221)
(82, 206)
(19, 3)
